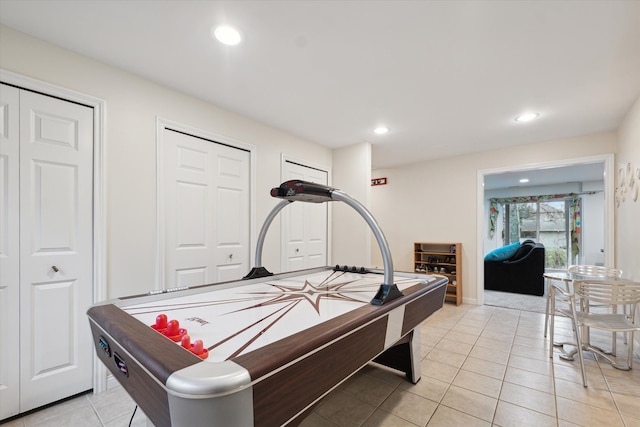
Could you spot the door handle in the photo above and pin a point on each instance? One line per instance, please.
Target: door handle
(55, 269)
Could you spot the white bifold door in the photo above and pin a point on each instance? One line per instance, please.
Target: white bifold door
(304, 225)
(206, 210)
(46, 249)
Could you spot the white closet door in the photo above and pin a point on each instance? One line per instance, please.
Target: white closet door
(232, 218)
(9, 252)
(304, 225)
(207, 222)
(56, 251)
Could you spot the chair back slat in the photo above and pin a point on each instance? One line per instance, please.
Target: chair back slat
(594, 271)
(609, 292)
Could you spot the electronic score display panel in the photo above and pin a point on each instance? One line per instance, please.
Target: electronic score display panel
(262, 351)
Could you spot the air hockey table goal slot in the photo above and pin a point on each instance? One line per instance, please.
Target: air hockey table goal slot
(121, 364)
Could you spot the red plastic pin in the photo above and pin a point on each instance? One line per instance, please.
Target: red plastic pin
(196, 348)
(186, 342)
(199, 350)
(161, 323)
(174, 332)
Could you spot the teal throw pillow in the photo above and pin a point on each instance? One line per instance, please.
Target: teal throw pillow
(502, 253)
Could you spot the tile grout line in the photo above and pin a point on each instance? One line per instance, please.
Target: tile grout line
(95, 411)
(613, 399)
(439, 402)
(450, 384)
(504, 376)
(557, 419)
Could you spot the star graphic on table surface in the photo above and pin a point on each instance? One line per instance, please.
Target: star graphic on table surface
(289, 296)
(313, 294)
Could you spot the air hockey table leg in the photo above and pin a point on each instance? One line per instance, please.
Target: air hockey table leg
(404, 356)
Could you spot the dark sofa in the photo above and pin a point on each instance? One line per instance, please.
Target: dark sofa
(522, 273)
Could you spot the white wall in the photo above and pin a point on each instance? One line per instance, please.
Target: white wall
(132, 106)
(351, 235)
(593, 243)
(628, 212)
(436, 200)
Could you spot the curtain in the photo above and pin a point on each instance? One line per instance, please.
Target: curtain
(576, 225)
(494, 210)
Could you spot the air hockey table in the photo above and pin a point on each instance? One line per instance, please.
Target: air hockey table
(264, 350)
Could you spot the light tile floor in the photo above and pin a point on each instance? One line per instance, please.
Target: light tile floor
(481, 366)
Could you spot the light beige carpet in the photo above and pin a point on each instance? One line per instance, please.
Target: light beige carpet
(516, 301)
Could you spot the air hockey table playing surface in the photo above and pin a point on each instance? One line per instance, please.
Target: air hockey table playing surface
(274, 346)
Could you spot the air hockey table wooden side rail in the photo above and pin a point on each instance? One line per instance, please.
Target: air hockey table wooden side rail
(277, 384)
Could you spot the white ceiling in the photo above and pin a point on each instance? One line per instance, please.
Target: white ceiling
(578, 173)
(447, 77)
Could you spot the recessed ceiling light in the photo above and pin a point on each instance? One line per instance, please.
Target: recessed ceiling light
(226, 35)
(381, 130)
(524, 180)
(527, 117)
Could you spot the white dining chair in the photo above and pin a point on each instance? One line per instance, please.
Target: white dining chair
(594, 271)
(600, 271)
(583, 270)
(585, 294)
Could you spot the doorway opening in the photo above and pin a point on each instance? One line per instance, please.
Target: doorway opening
(484, 242)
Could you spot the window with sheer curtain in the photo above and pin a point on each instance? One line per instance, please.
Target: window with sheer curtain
(545, 222)
(553, 220)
